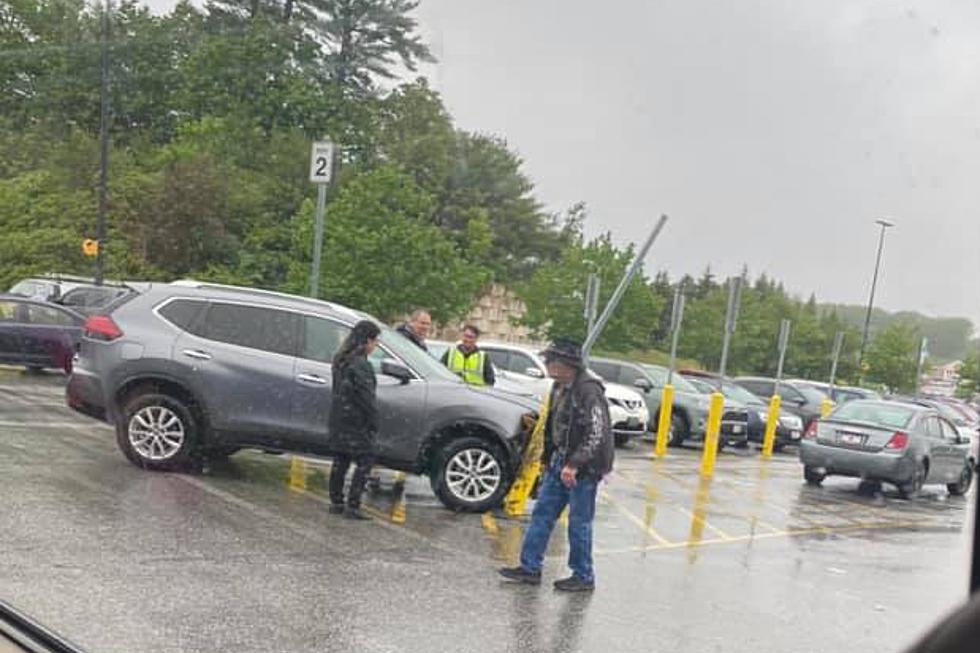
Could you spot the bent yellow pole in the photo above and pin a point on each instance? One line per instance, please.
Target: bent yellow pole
(519, 492)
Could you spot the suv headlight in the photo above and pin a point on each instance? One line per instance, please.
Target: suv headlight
(763, 415)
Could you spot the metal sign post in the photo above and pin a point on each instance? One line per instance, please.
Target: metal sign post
(921, 359)
(664, 421)
(591, 302)
(769, 438)
(731, 318)
(321, 174)
(784, 328)
(828, 404)
(621, 289)
(676, 317)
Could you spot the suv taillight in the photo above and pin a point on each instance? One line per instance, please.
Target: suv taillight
(898, 442)
(811, 431)
(101, 327)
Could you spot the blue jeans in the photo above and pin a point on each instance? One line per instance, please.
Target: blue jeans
(553, 496)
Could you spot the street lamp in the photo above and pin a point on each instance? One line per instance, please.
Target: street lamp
(885, 224)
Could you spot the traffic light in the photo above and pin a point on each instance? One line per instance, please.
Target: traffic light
(90, 247)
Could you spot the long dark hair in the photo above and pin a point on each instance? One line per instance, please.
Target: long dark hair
(354, 343)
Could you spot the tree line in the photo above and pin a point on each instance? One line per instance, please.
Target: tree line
(213, 112)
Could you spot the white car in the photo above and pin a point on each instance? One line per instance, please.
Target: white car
(523, 365)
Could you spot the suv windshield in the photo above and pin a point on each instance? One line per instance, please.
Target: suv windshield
(738, 393)
(659, 376)
(812, 394)
(414, 357)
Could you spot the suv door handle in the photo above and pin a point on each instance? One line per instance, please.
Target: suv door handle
(198, 354)
(312, 378)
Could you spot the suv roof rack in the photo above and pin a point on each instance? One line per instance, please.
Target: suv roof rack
(207, 285)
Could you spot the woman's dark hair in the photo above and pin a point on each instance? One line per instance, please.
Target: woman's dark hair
(354, 343)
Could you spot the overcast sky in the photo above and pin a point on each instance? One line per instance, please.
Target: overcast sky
(773, 133)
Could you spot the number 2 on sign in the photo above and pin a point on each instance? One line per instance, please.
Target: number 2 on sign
(321, 166)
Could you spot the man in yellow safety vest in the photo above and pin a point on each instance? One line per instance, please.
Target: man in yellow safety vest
(468, 361)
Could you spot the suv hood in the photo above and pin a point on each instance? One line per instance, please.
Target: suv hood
(508, 391)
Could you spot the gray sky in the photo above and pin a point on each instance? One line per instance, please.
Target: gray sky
(772, 132)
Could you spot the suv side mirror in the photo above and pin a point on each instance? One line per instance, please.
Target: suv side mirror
(643, 384)
(395, 369)
(534, 372)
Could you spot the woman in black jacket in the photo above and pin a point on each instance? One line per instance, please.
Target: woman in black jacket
(353, 423)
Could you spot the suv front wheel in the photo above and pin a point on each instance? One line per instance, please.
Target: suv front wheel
(470, 474)
(156, 431)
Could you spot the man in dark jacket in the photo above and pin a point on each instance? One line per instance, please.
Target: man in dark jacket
(578, 454)
(417, 328)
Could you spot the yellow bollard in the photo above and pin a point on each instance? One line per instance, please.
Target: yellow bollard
(769, 439)
(297, 474)
(826, 406)
(715, 409)
(530, 466)
(663, 424)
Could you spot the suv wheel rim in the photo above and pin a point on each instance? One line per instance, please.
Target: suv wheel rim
(156, 433)
(473, 475)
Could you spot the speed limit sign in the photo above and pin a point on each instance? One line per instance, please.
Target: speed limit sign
(321, 162)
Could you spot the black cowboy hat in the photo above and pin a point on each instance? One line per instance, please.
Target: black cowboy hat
(564, 350)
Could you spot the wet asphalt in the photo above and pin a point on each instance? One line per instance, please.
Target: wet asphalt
(244, 557)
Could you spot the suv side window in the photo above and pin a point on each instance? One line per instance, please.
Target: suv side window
(520, 362)
(630, 375)
(949, 431)
(499, 358)
(933, 427)
(759, 388)
(8, 311)
(608, 371)
(47, 316)
(322, 338)
(266, 329)
(790, 393)
(183, 314)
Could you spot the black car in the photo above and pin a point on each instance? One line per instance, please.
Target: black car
(798, 398)
(789, 428)
(38, 334)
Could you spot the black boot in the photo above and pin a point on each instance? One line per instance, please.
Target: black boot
(574, 584)
(521, 575)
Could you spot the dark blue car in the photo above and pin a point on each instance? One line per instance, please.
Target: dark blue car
(36, 334)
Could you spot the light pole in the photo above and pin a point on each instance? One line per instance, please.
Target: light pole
(885, 224)
(105, 108)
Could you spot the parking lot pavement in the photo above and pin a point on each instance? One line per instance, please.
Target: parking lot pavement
(245, 558)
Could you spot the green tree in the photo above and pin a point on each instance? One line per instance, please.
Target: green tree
(382, 254)
(555, 296)
(891, 357)
(970, 375)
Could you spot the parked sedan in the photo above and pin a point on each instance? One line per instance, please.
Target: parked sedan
(798, 398)
(789, 427)
(905, 444)
(37, 334)
(840, 393)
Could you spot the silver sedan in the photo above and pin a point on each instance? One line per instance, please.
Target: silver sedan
(883, 441)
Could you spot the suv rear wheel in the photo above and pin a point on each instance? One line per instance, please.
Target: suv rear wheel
(470, 474)
(156, 431)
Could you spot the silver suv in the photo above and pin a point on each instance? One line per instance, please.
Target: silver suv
(189, 368)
